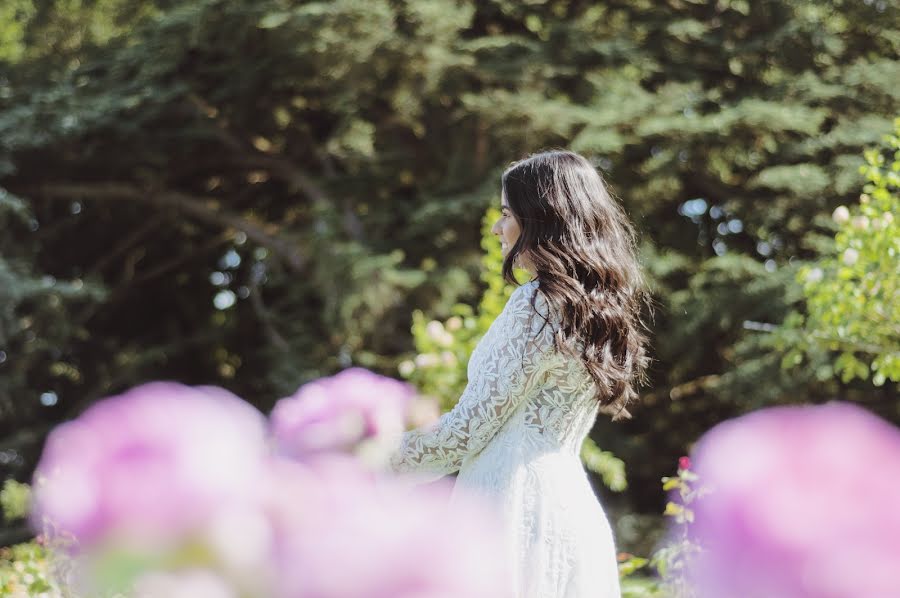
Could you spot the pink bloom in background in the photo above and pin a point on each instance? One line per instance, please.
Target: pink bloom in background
(353, 411)
(804, 502)
(149, 465)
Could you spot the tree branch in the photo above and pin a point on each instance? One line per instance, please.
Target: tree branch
(126, 243)
(281, 167)
(131, 280)
(691, 386)
(264, 316)
(205, 209)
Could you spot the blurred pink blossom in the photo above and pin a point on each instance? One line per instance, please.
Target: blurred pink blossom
(353, 411)
(342, 532)
(173, 490)
(149, 465)
(684, 463)
(803, 503)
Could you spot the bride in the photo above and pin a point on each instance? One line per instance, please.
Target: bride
(568, 344)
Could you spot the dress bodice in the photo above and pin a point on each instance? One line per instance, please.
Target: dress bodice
(522, 397)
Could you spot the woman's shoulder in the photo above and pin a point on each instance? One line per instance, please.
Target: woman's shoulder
(524, 292)
(528, 310)
(527, 295)
(527, 287)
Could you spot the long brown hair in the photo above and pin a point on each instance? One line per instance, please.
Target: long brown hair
(583, 250)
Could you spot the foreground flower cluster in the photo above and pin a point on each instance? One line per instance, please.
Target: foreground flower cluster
(802, 503)
(169, 490)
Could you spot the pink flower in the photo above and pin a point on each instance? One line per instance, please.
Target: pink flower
(802, 504)
(684, 463)
(353, 411)
(172, 490)
(178, 483)
(342, 532)
(149, 465)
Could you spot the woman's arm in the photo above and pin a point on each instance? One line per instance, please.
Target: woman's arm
(514, 366)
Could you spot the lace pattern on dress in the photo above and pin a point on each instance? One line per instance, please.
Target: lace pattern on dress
(508, 365)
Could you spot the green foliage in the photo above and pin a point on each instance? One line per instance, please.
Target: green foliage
(39, 323)
(610, 468)
(641, 587)
(15, 500)
(672, 557)
(442, 348)
(852, 293)
(13, 16)
(25, 567)
(24, 571)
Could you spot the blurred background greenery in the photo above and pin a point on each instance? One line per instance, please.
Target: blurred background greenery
(256, 193)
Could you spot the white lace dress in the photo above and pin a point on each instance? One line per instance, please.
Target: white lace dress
(515, 436)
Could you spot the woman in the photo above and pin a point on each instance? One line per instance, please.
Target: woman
(567, 344)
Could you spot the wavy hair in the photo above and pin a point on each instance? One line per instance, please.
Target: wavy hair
(583, 249)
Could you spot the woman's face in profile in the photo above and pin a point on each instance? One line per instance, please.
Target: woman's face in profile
(507, 227)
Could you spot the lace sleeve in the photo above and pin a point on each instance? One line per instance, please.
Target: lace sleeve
(513, 364)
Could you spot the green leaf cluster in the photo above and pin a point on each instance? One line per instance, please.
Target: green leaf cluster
(852, 293)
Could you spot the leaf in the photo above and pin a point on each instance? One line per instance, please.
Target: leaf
(631, 565)
(673, 509)
(274, 19)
